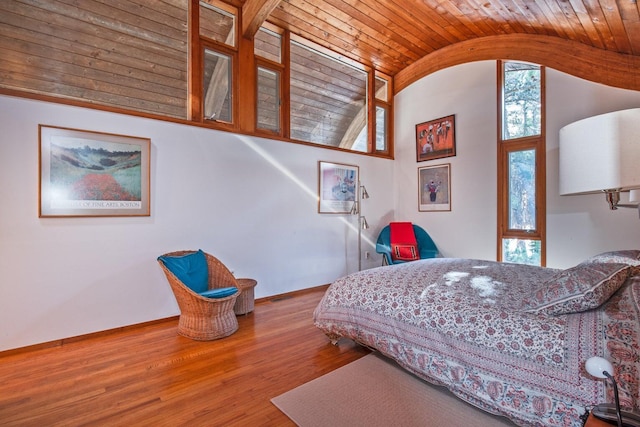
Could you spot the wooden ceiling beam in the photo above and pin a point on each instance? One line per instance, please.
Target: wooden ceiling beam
(254, 13)
(571, 57)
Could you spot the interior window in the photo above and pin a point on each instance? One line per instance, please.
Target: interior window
(217, 86)
(328, 99)
(268, 45)
(268, 99)
(290, 87)
(381, 128)
(217, 24)
(383, 97)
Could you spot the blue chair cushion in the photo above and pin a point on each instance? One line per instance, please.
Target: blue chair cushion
(219, 292)
(190, 269)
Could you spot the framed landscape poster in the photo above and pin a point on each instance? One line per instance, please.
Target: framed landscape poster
(337, 186)
(436, 139)
(85, 173)
(434, 188)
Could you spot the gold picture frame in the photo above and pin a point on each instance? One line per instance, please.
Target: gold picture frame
(434, 188)
(92, 174)
(436, 139)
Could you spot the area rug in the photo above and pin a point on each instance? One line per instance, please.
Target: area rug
(374, 391)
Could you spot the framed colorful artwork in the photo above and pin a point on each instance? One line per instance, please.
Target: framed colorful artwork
(434, 188)
(436, 139)
(85, 173)
(337, 186)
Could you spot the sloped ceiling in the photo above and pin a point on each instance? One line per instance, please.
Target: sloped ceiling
(407, 39)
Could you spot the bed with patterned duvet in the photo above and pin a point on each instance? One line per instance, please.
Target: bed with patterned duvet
(510, 339)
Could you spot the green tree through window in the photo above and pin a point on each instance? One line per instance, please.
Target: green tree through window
(522, 105)
(521, 164)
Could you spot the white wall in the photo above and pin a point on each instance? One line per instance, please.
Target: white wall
(249, 201)
(580, 226)
(469, 92)
(252, 203)
(577, 226)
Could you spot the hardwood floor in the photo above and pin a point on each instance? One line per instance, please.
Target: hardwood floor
(152, 376)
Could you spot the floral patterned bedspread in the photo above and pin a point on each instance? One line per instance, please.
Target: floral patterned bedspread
(457, 323)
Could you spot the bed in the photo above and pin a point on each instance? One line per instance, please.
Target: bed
(510, 339)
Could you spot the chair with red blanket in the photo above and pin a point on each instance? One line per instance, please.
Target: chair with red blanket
(401, 242)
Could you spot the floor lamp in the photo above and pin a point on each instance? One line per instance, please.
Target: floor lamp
(362, 221)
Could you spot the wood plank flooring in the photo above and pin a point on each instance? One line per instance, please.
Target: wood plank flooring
(151, 376)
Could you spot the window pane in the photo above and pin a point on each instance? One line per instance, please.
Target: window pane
(268, 45)
(522, 106)
(217, 86)
(268, 99)
(521, 251)
(382, 89)
(381, 128)
(522, 190)
(217, 24)
(328, 99)
(360, 143)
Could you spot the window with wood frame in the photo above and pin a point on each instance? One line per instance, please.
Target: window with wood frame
(217, 29)
(289, 88)
(327, 98)
(268, 49)
(382, 91)
(521, 163)
(183, 61)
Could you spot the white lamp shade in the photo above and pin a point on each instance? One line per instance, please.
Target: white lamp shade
(597, 365)
(601, 153)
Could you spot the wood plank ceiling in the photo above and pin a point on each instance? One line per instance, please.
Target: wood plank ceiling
(132, 54)
(396, 35)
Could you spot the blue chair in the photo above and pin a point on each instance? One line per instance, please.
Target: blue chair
(426, 246)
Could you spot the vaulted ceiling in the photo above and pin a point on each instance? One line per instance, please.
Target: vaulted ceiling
(594, 39)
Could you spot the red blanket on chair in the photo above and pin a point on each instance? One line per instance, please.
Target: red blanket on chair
(404, 246)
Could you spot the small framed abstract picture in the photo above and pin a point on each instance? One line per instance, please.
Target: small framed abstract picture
(434, 188)
(436, 139)
(85, 173)
(337, 186)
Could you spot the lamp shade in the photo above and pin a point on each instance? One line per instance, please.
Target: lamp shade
(597, 366)
(601, 153)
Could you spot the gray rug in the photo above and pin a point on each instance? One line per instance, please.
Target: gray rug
(374, 391)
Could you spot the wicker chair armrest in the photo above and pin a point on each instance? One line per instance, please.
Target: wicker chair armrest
(219, 275)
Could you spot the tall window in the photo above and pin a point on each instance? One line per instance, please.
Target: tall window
(382, 89)
(217, 86)
(218, 37)
(268, 52)
(521, 164)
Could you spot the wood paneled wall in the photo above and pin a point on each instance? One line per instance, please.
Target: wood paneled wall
(122, 54)
(133, 55)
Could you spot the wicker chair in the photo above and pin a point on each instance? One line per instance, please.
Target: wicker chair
(204, 318)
